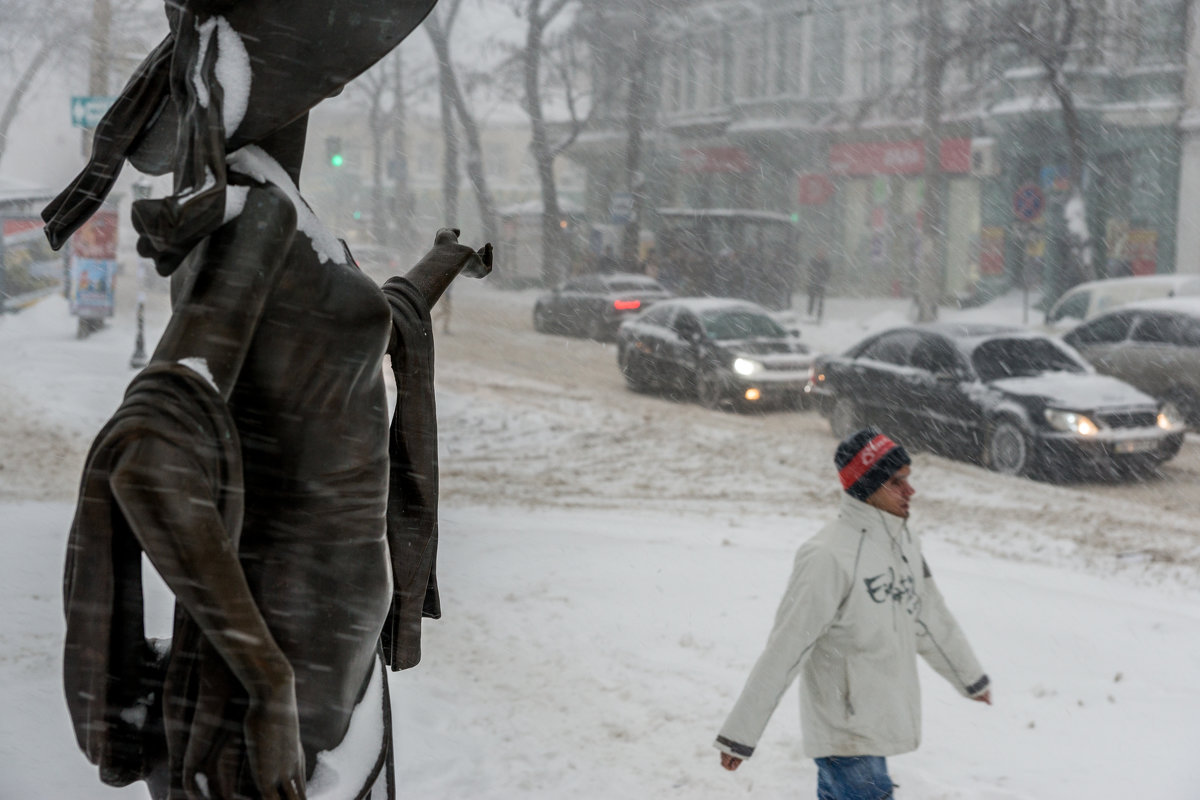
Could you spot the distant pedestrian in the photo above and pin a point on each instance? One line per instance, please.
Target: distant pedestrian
(650, 266)
(860, 605)
(608, 261)
(818, 278)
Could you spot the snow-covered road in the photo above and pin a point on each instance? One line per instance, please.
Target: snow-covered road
(609, 566)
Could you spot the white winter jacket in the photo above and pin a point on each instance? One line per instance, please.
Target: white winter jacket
(859, 607)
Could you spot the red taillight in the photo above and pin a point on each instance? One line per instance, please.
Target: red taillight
(627, 305)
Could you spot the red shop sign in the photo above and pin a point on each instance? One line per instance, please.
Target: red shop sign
(815, 189)
(714, 159)
(896, 158)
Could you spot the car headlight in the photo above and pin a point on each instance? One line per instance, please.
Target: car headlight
(747, 366)
(1070, 422)
(1170, 418)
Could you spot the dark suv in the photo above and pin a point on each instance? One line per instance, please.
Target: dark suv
(595, 305)
(726, 353)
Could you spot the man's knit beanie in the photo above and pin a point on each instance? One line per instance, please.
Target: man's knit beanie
(865, 460)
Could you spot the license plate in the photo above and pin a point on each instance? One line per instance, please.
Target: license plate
(1136, 445)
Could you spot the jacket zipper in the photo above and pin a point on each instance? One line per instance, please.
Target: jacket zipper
(846, 692)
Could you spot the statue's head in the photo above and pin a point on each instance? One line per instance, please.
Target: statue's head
(274, 62)
(230, 73)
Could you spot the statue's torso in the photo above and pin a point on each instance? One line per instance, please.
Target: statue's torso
(311, 409)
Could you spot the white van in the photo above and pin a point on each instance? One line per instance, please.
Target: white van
(1086, 300)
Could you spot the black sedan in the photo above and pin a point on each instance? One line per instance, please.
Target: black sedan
(1019, 402)
(725, 353)
(595, 305)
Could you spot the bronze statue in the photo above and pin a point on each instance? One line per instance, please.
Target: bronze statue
(252, 461)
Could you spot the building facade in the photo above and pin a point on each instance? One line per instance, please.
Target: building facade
(814, 109)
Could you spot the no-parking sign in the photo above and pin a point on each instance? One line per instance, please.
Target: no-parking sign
(1028, 202)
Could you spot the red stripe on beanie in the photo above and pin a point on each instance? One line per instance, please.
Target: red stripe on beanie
(864, 459)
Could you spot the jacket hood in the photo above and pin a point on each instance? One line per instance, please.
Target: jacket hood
(864, 515)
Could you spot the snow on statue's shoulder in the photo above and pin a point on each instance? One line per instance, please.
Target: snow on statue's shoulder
(200, 367)
(253, 162)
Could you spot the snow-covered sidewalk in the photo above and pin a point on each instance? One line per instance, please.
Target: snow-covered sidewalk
(593, 642)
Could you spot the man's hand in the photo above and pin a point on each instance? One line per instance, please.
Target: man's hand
(730, 762)
(985, 697)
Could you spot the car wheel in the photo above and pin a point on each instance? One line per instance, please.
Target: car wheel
(1008, 449)
(630, 369)
(597, 329)
(845, 418)
(798, 402)
(1188, 405)
(709, 390)
(541, 319)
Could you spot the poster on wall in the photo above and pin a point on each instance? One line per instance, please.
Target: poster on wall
(94, 266)
(991, 251)
(1141, 248)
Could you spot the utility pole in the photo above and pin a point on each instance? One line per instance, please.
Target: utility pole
(141, 191)
(98, 67)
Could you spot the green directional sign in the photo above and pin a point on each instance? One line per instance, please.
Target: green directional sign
(87, 111)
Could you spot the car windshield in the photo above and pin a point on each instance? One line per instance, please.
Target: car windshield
(740, 324)
(1018, 358)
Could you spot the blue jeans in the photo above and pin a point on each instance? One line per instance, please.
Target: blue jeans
(853, 778)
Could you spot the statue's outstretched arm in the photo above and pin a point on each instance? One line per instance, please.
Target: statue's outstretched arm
(441, 265)
(176, 522)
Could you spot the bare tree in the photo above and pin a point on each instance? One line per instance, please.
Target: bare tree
(385, 93)
(48, 34)
(546, 61)
(626, 39)
(58, 34)
(1045, 30)
(438, 26)
(932, 229)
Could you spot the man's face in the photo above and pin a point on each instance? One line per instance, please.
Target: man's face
(894, 495)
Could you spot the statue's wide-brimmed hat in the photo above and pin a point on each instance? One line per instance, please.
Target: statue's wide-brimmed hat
(233, 71)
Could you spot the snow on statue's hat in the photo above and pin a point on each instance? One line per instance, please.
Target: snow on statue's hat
(230, 73)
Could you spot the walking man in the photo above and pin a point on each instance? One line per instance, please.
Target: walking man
(818, 277)
(860, 605)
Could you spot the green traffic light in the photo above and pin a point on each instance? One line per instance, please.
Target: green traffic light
(335, 160)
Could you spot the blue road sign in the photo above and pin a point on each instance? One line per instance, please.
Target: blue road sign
(87, 111)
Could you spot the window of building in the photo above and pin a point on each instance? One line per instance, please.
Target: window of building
(826, 54)
(750, 45)
(689, 77)
(1160, 26)
(673, 80)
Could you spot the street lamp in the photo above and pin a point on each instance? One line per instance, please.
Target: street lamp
(141, 191)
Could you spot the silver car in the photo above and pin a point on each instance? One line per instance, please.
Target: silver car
(1153, 345)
